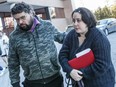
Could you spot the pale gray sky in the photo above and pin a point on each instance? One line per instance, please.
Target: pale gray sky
(92, 4)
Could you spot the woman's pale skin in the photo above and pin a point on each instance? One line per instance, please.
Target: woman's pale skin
(82, 29)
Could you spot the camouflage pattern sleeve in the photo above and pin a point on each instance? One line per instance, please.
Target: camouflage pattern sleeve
(13, 62)
(58, 36)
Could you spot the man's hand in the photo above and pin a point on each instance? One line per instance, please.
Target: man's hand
(76, 75)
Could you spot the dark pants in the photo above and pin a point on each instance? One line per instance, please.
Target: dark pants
(77, 84)
(58, 82)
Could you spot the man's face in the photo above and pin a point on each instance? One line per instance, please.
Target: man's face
(24, 20)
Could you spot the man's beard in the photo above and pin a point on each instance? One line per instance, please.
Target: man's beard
(26, 27)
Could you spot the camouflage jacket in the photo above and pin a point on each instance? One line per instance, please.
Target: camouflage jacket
(34, 51)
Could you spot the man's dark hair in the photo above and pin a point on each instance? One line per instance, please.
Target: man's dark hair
(21, 7)
(87, 16)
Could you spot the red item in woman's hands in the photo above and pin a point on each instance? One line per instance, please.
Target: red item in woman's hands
(83, 59)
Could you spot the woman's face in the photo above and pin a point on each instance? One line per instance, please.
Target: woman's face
(79, 25)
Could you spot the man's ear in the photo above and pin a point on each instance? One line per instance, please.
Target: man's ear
(32, 12)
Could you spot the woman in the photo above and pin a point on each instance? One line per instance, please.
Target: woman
(85, 35)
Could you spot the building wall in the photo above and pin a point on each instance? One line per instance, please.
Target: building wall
(54, 3)
(63, 22)
(68, 8)
(2, 1)
(60, 24)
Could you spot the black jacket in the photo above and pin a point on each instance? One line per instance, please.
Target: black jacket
(99, 74)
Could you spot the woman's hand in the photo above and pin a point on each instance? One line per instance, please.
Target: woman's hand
(76, 75)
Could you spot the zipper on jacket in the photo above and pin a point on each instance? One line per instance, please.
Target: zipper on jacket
(38, 57)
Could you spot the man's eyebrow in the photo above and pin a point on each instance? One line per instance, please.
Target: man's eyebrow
(20, 17)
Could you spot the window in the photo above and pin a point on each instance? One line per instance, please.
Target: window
(57, 12)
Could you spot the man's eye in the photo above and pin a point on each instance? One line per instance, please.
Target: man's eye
(23, 17)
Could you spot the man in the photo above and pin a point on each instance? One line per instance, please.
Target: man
(31, 45)
(4, 42)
